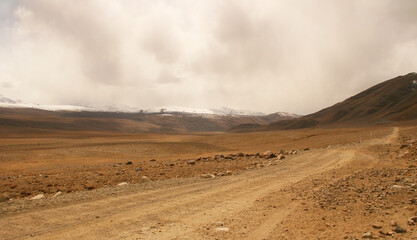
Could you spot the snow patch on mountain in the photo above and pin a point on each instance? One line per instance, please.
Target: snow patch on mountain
(214, 111)
(229, 111)
(164, 110)
(178, 109)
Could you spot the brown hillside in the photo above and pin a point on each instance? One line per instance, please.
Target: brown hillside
(390, 101)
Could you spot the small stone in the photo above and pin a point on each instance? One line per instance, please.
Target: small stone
(191, 162)
(207, 176)
(152, 160)
(399, 229)
(222, 229)
(4, 198)
(145, 179)
(139, 169)
(281, 156)
(385, 233)
(306, 149)
(122, 184)
(368, 235)
(414, 219)
(39, 196)
(57, 194)
(129, 163)
(393, 223)
(376, 226)
(268, 154)
(397, 187)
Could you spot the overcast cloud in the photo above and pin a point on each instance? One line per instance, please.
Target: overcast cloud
(296, 56)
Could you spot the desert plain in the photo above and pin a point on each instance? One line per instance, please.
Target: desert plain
(316, 183)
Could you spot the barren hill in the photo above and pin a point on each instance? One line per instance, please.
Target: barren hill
(390, 101)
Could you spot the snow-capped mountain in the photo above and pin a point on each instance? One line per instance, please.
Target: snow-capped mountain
(224, 111)
(229, 111)
(6, 100)
(11, 103)
(178, 109)
(213, 111)
(120, 118)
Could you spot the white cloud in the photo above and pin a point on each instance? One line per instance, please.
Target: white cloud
(296, 56)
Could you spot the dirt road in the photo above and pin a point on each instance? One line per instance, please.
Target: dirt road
(251, 205)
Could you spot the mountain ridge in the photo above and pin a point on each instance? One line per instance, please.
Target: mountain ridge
(11, 103)
(390, 101)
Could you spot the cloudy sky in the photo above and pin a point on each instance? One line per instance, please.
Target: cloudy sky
(296, 55)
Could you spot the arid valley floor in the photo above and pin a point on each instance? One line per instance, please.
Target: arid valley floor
(338, 184)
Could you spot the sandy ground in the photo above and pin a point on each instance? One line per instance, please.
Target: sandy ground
(30, 165)
(333, 192)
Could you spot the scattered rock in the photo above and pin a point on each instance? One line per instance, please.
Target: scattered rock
(376, 226)
(386, 233)
(240, 155)
(139, 169)
(306, 149)
(39, 196)
(145, 179)
(414, 219)
(129, 163)
(207, 176)
(152, 160)
(268, 154)
(397, 187)
(281, 156)
(222, 229)
(191, 162)
(57, 194)
(122, 184)
(399, 229)
(368, 235)
(403, 146)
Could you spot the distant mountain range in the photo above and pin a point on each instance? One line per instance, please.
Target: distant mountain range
(391, 101)
(16, 116)
(11, 103)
